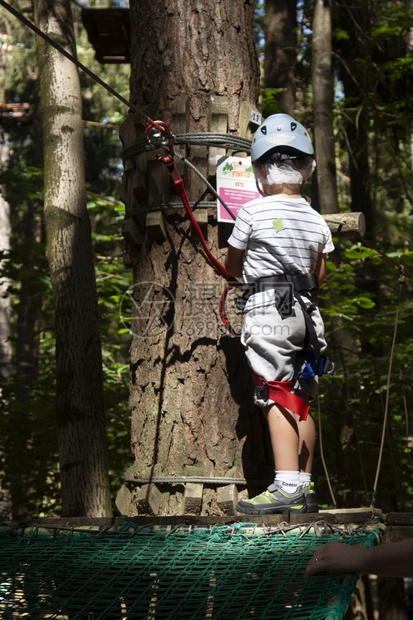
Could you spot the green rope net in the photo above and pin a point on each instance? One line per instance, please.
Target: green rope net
(129, 573)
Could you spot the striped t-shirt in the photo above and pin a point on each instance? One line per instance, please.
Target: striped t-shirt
(280, 236)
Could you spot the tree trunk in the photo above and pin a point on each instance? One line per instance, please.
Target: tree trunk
(79, 398)
(191, 391)
(392, 599)
(409, 49)
(347, 454)
(5, 234)
(5, 312)
(323, 97)
(5, 226)
(280, 59)
(356, 83)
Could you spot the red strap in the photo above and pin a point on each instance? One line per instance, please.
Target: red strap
(222, 311)
(180, 188)
(280, 393)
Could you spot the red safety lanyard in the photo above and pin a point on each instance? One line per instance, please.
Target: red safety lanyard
(181, 190)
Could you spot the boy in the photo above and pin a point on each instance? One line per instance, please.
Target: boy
(278, 246)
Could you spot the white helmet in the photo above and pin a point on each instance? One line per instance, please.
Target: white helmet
(280, 130)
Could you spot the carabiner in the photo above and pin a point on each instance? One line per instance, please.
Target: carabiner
(159, 136)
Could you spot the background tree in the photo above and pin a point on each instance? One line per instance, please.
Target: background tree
(79, 393)
(5, 232)
(323, 104)
(280, 57)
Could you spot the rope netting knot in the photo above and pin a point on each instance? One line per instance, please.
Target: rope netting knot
(155, 572)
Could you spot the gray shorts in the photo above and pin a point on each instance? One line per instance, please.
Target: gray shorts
(273, 346)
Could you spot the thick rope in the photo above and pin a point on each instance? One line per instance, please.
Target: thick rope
(320, 436)
(211, 481)
(402, 278)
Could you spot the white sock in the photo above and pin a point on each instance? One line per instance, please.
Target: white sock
(289, 480)
(305, 478)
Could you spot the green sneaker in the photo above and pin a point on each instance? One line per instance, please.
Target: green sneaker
(274, 501)
(310, 497)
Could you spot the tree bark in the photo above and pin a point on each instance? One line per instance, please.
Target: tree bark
(323, 97)
(5, 226)
(191, 391)
(280, 59)
(5, 310)
(79, 398)
(392, 599)
(5, 235)
(357, 22)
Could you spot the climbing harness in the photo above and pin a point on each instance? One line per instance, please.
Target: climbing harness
(315, 368)
(280, 392)
(287, 289)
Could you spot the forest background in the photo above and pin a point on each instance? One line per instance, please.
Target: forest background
(362, 301)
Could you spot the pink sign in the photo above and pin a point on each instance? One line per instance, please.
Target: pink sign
(234, 199)
(235, 185)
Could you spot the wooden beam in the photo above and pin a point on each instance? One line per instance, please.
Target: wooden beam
(351, 224)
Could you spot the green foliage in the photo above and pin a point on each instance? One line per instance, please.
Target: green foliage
(28, 438)
(269, 101)
(359, 304)
(28, 441)
(112, 281)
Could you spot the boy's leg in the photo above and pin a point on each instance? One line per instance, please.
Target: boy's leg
(284, 435)
(285, 443)
(306, 443)
(307, 438)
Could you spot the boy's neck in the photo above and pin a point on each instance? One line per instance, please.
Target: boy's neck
(284, 189)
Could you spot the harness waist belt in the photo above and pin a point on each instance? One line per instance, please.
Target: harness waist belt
(303, 282)
(292, 285)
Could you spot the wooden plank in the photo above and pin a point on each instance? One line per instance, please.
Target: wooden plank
(392, 532)
(158, 193)
(350, 224)
(180, 124)
(155, 226)
(247, 126)
(217, 123)
(131, 233)
(193, 498)
(148, 498)
(227, 498)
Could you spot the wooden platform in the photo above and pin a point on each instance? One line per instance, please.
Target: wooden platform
(397, 526)
(109, 33)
